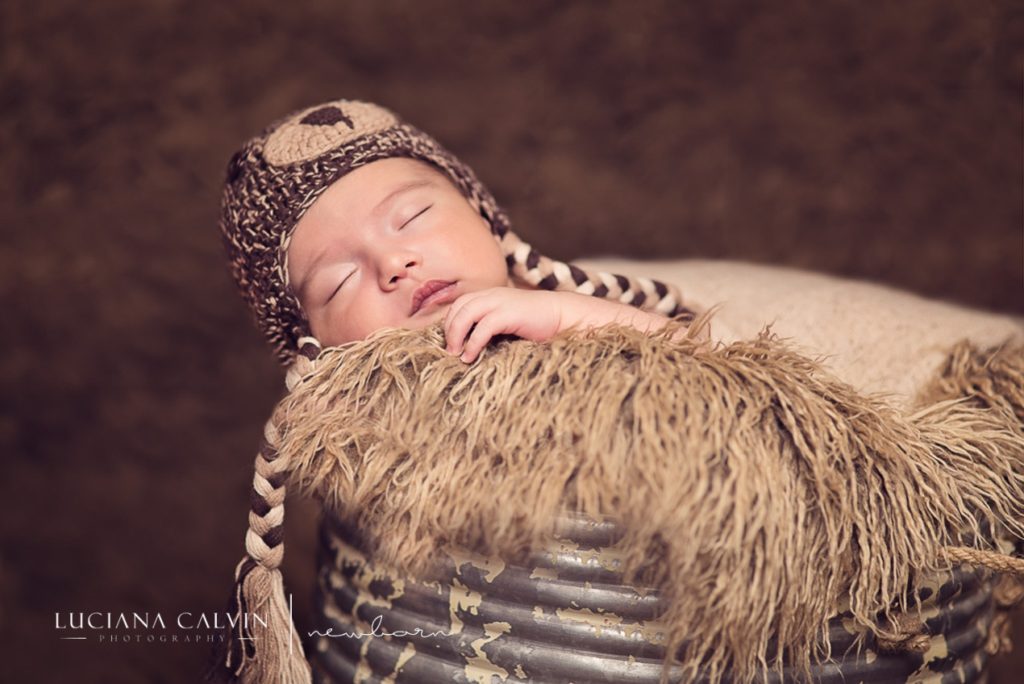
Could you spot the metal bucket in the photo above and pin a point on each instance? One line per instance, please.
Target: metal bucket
(567, 617)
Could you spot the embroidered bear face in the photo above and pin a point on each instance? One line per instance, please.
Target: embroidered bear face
(313, 132)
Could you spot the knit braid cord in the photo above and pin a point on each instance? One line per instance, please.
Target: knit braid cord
(534, 268)
(268, 648)
(263, 540)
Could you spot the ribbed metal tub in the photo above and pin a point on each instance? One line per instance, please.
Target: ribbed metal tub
(567, 617)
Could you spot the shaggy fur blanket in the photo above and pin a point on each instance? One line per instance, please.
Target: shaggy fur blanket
(757, 492)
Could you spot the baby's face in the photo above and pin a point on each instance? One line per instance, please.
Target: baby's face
(375, 246)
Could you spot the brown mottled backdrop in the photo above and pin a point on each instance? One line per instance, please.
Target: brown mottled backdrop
(881, 141)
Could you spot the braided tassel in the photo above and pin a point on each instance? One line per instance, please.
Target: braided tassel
(533, 268)
(263, 646)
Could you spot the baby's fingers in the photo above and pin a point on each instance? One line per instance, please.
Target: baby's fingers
(486, 328)
(459, 321)
(459, 306)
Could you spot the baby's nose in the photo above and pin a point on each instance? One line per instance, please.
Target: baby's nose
(396, 268)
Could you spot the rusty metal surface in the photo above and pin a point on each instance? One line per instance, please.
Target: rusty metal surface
(566, 617)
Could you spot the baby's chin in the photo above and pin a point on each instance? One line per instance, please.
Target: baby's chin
(419, 322)
(434, 317)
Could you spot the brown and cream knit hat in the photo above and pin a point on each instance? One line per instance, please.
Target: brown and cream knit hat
(280, 173)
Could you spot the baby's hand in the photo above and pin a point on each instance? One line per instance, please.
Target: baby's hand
(530, 314)
(535, 315)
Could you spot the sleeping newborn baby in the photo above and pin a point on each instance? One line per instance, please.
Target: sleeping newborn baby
(394, 244)
(341, 220)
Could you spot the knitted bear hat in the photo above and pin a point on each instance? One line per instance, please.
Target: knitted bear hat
(280, 173)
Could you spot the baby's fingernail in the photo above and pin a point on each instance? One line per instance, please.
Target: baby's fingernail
(464, 357)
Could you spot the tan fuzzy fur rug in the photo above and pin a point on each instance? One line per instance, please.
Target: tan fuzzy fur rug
(757, 491)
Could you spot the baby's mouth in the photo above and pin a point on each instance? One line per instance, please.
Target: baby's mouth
(432, 292)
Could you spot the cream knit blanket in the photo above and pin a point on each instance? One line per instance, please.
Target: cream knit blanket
(877, 338)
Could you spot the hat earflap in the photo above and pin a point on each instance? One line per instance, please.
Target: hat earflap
(263, 646)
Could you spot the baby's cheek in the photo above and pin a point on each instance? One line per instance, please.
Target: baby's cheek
(342, 324)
